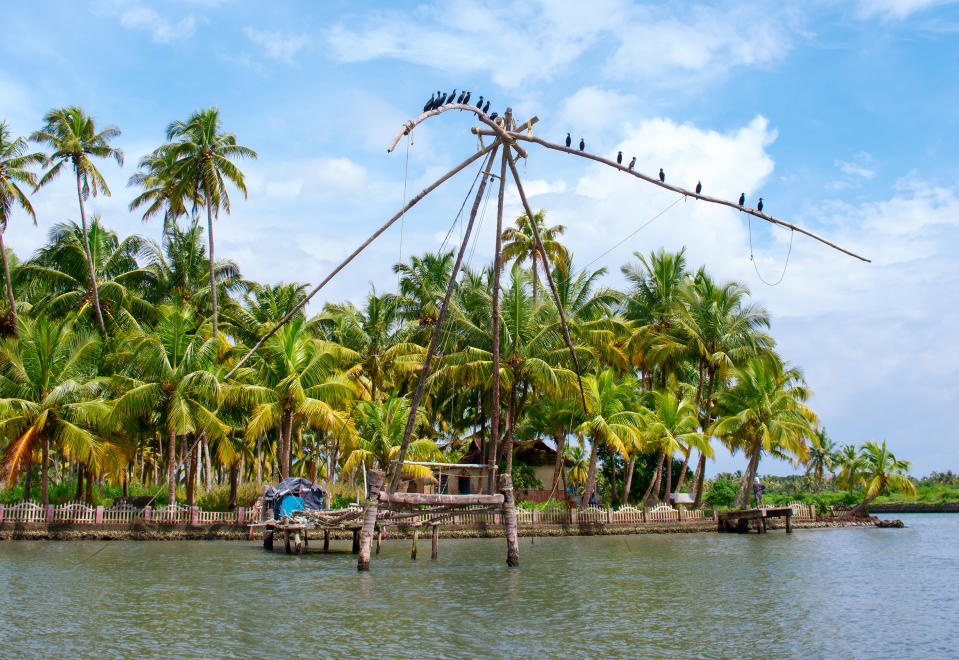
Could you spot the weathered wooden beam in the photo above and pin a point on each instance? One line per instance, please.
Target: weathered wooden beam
(434, 338)
(430, 188)
(497, 269)
(678, 189)
(436, 542)
(454, 500)
(509, 522)
(374, 480)
(416, 538)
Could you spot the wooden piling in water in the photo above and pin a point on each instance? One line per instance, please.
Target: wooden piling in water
(268, 539)
(509, 515)
(436, 542)
(326, 540)
(362, 543)
(416, 538)
(356, 541)
(379, 539)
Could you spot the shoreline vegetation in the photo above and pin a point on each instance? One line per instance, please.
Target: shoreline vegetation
(119, 356)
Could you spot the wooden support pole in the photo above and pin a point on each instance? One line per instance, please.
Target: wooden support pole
(374, 480)
(677, 189)
(379, 539)
(306, 539)
(416, 538)
(297, 543)
(493, 127)
(509, 510)
(434, 339)
(417, 499)
(268, 539)
(789, 523)
(356, 541)
(497, 269)
(300, 305)
(286, 544)
(436, 542)
(326, 540)
(549, 276)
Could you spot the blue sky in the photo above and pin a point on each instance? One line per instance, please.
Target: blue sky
(841, 115)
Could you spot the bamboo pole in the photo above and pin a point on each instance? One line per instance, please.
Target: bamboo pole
(436, 542)
(668, 186)
(509, 520)
(497, 270)
(434, 339)
(549, 276)
(430, 188)
(494, 128)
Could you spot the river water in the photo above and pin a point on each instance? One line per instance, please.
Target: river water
(840, 593)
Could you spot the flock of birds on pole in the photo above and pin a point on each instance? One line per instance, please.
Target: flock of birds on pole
(439, 99)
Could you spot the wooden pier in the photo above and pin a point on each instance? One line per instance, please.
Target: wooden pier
(738, 521)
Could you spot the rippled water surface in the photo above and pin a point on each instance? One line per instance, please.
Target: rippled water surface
(849, 593)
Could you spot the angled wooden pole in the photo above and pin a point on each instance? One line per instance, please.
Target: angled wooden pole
(668, 186)
(426, 191)
(497, 270)
(494, 128)
(434, 339)
(549, 275)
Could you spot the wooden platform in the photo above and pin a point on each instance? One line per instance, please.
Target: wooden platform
(738, 521)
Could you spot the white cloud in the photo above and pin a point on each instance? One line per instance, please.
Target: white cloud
(594, 111)
(543, 38)
(276, 45)
(855, 170)
(140, 17)
(896, 9)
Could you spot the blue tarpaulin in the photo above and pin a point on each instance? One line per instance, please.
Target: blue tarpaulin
(294, 494)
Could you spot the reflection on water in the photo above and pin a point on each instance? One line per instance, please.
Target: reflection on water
(827, 593)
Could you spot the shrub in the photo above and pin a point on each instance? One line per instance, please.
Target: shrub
(722, 492)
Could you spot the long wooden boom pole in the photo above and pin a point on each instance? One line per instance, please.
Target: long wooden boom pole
(655, 181)
(426, 191)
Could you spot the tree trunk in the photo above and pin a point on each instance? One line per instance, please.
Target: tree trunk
(28, 477)
(90, 479)
(191, 459)
(79, 491)
(6, 275)
(208, 480)
(284, 451)
(234, 477)
(209, 237)
(171, 468)
(591, 473)
(654, 483)
(92, 273)
(614, 494)
(861, 507)
(560, 440)
(700, 477)
(742, 497)
(510, 426)
(44, 471)
(497, 269)
(629, 478)
(682, 473)
(669, 475)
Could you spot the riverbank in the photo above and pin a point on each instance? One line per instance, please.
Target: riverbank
(141, 532)
(915, 507)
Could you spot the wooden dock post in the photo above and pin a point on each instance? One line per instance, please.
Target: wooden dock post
(297, 543)
(416, 538)
(436, 541)
(789, 523)
(509, 514)
(379, 539)
(268, 539)
(363, 543)
(326, 540)
(286, 546)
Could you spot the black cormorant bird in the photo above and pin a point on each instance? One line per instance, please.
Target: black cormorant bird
(759, 206)
(466, 99)
(486, 108)
(440, 102)
(582, 145)
(632, 164)
(429, 104)
(662, 175)
(493, 116)
(699, 187)
(619, 158)
(451, 97)
(461, 97)
(742, 199)
(479, 104)
(569, 141)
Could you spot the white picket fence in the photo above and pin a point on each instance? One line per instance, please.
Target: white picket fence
(121, 514)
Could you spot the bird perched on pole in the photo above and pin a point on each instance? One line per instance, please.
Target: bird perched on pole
(582, 145)
(440, 102)
(493, 116)
(699, 187)
(479, 104)
(486, 108)
(759, 206)
(569, 141)
(429, 104)
(619, 158)
(461, 97)
(632, 164)
(466, 99)
(742, 199)
(662, 175)
(452, 97)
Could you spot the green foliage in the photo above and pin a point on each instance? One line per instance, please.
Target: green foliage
(722, 492)
(524, 476)
(218, 497)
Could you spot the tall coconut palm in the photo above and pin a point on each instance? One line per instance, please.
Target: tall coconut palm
(73, 137)
(15, 164)
(764, 412)
(423, 285)
(49, 394)
(519, 245)
(612, 418)
(59, 277)
(204, 165)
(163, 193)
(849, 461)
(822, 457)
(882, 471)
(671, 428)
(169, 379)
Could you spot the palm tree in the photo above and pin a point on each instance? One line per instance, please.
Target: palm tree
(162, 191)
(169, 379)
(764, 412)
(49, 393)
(577, 465)
(519, 245)
(73, 137)
(672, 428)
(380, 426)
(60, 278)
(850, 465)
(14, 172)
(881, 471)
(422, 286)
(822, 456)
(203, 165)
(612, 419)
